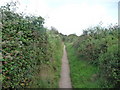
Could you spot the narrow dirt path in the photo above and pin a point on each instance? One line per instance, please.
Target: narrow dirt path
(65, 81)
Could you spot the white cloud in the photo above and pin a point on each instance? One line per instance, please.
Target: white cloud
(73, 18)
(36, 7)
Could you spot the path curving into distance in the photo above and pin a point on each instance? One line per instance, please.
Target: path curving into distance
(65, 81)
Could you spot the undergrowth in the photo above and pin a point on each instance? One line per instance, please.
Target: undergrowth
(83, 74)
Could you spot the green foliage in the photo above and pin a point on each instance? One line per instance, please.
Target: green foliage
(83, 74)
(71, 38)
(26, 47)
(48, 74)
(99, 47)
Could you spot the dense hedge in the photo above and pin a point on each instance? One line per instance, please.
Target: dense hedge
(99, 46)
(25, 46)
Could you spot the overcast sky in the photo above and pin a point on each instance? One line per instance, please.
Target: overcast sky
(71, 16)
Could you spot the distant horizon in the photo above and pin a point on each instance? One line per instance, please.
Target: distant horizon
(71, 16)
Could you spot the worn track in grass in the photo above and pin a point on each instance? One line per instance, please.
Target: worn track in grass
(65, 81)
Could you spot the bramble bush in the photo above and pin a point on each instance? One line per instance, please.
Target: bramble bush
(25, 46)
(99, 46)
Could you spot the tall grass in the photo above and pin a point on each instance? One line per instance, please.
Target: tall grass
(83, 74)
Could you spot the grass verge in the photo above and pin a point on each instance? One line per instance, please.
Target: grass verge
(83, 74)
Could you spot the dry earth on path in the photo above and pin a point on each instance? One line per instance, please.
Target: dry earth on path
(65, 81)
